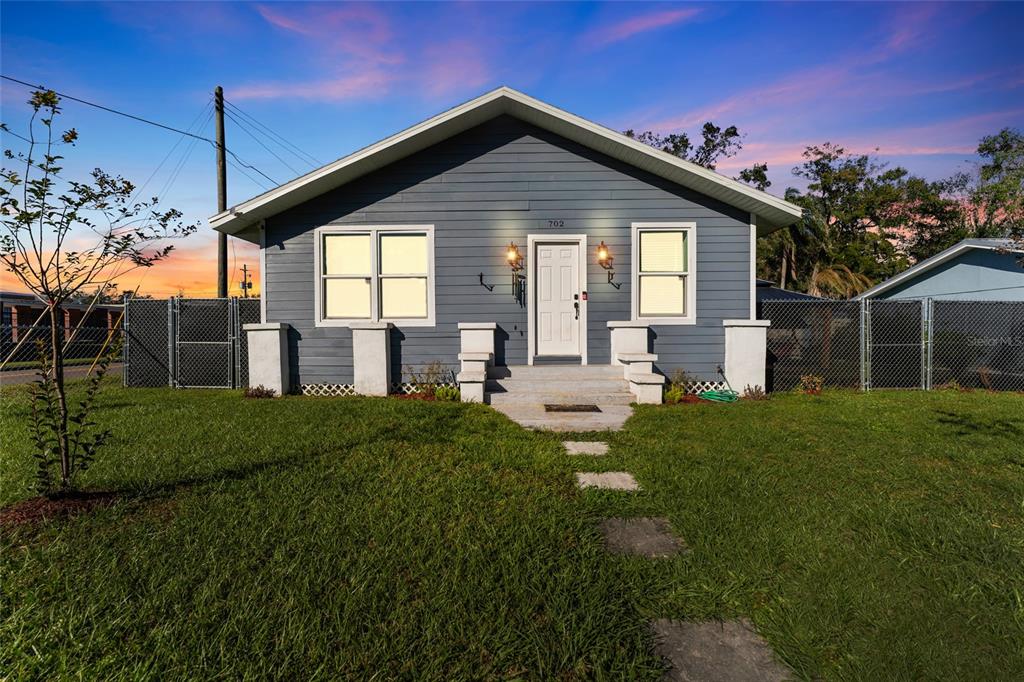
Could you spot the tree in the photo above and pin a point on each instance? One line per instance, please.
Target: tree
(59, 237)
(716, 144)
(858, 215)
(985, 202)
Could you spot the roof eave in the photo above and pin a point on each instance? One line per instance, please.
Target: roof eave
(772, 211)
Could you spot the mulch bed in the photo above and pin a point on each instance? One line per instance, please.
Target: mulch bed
(39, 509)
(687, 399)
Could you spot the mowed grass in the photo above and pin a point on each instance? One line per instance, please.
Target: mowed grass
(871, 536)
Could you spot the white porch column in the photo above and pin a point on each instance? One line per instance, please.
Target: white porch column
(476, 355)
(268, 355)
(371, 357)
(746, 351)
(627, 337)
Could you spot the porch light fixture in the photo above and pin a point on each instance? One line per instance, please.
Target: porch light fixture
(513, 257)
(605, 260)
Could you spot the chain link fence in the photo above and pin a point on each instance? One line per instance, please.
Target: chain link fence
(896, 344)
(187, 342)
(20, 344)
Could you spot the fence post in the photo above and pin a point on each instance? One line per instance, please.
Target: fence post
(929, 331)
(124, 347)
(233, 338)
(172, 342)
(866, 340)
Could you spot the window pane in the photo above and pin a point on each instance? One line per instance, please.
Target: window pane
(403, 297)
(347, 254)
(662, 295)
(403, 254)
(347, 298)
(662, 252)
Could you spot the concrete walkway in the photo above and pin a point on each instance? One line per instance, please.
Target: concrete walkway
(521, 393)
(711, 651)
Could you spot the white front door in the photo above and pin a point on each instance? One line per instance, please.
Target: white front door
(558, 292)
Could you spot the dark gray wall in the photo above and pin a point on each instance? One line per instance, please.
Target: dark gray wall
(493, 184)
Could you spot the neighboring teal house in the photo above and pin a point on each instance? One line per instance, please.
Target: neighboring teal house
(973, 270)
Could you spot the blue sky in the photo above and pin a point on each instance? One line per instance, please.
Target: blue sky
(919, 81)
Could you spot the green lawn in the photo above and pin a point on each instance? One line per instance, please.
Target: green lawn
(871, 536)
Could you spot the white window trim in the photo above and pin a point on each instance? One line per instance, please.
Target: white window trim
(691, 272)
(374, 231)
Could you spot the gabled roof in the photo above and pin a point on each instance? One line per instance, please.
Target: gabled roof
(938, 259)
(772, 212)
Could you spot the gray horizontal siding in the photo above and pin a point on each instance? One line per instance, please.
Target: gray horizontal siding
(496, 183)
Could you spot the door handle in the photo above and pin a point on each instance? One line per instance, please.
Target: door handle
(576, 305)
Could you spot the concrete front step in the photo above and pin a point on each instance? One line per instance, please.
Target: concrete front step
(556, 398)
(556, 372)
(562, 386)
(533, 416)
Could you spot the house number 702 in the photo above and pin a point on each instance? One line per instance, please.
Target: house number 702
(556, 223)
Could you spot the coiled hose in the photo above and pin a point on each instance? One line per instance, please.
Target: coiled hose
(722, 395)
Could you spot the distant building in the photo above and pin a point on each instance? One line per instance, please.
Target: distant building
(20, 311)
(974, 269)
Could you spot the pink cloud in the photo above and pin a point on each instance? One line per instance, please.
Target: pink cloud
(365, 85)
(607, 34)
(359, 30)
(453, 67)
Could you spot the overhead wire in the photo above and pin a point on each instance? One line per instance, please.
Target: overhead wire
(294, 149)
(142, 120)
(258, 141)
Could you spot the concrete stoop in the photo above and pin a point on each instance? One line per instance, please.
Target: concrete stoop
(521, 392)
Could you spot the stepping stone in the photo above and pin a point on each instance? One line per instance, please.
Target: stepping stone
(711, 651)
(574, 447)
(649, 537)
(612, 480)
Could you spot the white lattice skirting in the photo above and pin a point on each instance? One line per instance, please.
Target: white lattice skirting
(327, 390)
(334, 390)
(695, 387)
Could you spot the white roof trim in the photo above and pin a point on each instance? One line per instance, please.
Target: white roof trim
(775, 211)
(930, 263)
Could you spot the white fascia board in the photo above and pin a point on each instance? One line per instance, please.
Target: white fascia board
(775, 211)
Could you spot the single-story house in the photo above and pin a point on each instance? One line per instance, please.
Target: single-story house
(973, 270)
(499, 236)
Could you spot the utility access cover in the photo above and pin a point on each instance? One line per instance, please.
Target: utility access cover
(571, 408)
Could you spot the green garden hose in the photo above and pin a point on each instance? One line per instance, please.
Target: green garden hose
(720, 396)
(723, 396)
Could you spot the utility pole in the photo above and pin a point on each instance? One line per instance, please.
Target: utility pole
(222, 194)
(246, 281)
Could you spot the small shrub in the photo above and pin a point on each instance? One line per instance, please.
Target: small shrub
(674, 393)
(811, 384)
(681, 378)
(427, 381)
(754, 393)
(260, 392)
(448, 393)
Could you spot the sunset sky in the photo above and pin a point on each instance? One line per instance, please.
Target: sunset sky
(921, 82)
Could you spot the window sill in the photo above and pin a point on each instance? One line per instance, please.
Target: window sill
(411, 322)
(666, 321)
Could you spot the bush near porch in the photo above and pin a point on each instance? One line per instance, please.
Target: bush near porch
(872, 536)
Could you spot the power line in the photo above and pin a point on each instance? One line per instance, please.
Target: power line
(141, 120)
(294, 149)
(260, 142)
(138, 192)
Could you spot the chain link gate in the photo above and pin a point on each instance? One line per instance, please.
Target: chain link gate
(187, 342)
(919, 343)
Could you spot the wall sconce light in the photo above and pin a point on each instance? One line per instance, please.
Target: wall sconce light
(513, 257)
(604, 257)
(605, 260)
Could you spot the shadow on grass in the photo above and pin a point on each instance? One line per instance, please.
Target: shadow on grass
(970, 424)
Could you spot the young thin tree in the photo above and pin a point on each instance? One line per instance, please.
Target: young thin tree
(60, 237)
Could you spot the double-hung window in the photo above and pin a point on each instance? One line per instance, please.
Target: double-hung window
(375, 274)
(664, 277)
